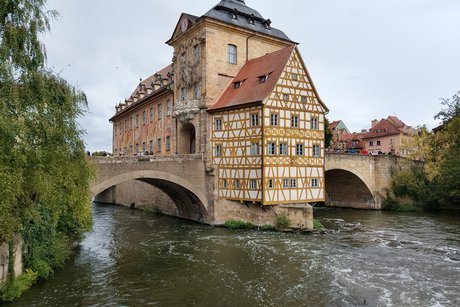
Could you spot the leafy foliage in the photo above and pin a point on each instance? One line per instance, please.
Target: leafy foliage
(437, 185)
(327, 134)
(282, 221)
(234, 224)
(317, 224)
(43, 171)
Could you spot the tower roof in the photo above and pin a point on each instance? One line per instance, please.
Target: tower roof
(237, 13)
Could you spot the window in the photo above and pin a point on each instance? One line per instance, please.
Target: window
(253, 184)
(159, 145)
(294, 77)
(137, 120)
(303, 99)
(392, 141)
(144, 117)
(224, 183)
(262, 79)
(283, 149)
(183, 94)
(254, 149)
(371, 143)
(295, 121)
(254, 120)
(237, 84)
(314, 183)
(151, 146)
(130, 149)
(285, 97)
(168, 107)
(293, 183)
(218, 152)
(316, 151)
(126, 125)
(273, 119)
(285, 183)
(196, 90)
(271, 148)
(232, 54)
(379, 143)
(237, 184)
(137, 148)
(218, 124)
(168, 143)
(196, 54)
(152, 114)
(160, 111)
(314, 123)
(271, 184)
(131, 122)
(144, 147)
(299, 150)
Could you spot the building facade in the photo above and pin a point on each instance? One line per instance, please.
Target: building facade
(242, 97)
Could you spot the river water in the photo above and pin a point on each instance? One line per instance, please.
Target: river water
(367, 258)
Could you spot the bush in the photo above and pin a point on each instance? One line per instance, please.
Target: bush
(267, 227)
(16, 286)
(282, 221)
(234, 224)
(317, 224)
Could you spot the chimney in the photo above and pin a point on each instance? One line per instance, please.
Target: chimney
(374, 123)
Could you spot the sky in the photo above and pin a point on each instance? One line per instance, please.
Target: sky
(368, 59)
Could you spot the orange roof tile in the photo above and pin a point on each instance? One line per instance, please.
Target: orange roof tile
(251, 89)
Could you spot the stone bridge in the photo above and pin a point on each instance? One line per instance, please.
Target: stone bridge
(359, 181)
(182, 186)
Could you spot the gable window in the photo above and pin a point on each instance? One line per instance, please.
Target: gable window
(254, 149)
(218, 124)
(295, 121)
(253, 184)
(218, 152)
(160, 111)
(254, 120)
(303, 99)
(316, 151)
(159, 145)
(283, 149)
(232, 54)
(285, 183)
(271, 148)
(196, 54)
(273, 119)
(294, 77)
(196, 90)
(285, 97)
(314, 183)
(314, 123)
(168, 107)
(168, 143)
(299, 150)
(183, 94)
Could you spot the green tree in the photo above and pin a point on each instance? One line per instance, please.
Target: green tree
(327, 134)
(43, 171)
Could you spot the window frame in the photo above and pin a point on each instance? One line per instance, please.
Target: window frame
(232, 54)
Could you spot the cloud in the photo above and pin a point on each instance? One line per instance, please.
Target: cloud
(368, 59)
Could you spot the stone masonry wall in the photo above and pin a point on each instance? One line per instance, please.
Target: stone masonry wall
(16, 257)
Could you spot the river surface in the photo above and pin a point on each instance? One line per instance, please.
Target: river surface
(367, 258)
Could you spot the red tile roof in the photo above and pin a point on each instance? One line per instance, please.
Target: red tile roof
(390, 126)
(148, 81)
(251, 89)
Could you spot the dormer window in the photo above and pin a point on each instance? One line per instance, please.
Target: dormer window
(237, 84)
(234, 15)
(262, 78)
(251, 21)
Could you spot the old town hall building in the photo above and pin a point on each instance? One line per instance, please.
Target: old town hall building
(238, 93)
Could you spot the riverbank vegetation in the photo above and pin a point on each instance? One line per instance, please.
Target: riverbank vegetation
(43, 171)
(436, 185)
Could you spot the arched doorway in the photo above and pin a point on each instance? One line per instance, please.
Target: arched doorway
(187, 139)
(345, 189)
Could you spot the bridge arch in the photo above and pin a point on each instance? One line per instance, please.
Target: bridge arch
(191, 203)
(348, 188)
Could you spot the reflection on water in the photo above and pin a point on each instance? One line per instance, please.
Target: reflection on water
(134, 258)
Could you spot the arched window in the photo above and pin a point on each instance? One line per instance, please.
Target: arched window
(232, 54)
